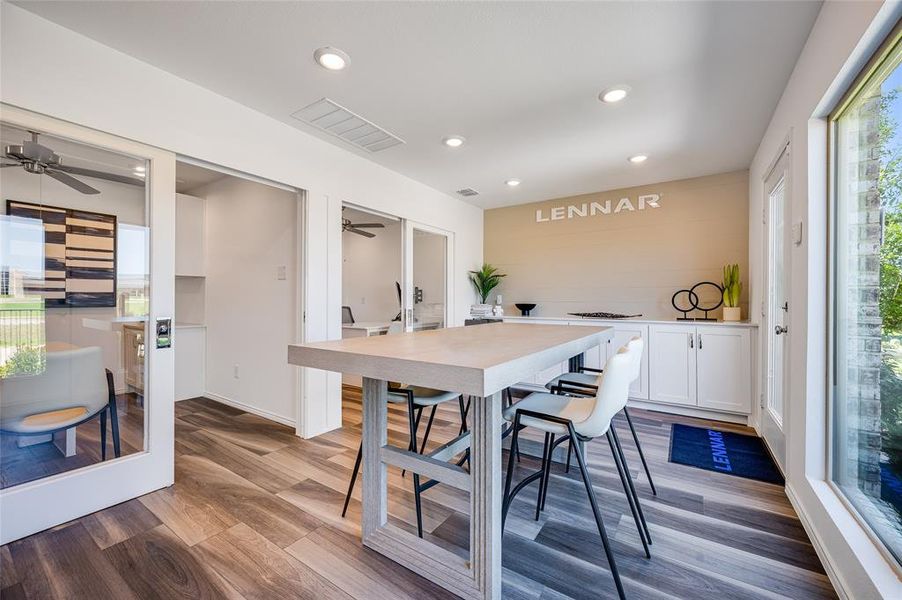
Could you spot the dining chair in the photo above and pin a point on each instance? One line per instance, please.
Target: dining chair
(585, 381)
(578, 419)
(417, 399)
(73, 388)
(347, 317)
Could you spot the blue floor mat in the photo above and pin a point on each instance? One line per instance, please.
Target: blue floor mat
(723, 452)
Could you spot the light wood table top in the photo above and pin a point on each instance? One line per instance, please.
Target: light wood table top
(479, 360)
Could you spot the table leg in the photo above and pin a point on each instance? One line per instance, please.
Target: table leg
(486, 496)
(478, 578)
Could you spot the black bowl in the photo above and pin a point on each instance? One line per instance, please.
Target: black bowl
(525, 307)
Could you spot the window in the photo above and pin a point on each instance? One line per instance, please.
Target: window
(866, 287)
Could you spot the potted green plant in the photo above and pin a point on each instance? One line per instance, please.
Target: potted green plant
(484, 281)
(732, 289)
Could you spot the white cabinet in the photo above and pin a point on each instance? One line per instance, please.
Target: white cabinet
(190, 345)
(672, 364)
(724, 368)
(190, 255)
(707, 366)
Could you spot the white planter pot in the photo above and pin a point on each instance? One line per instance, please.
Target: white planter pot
(732, 313)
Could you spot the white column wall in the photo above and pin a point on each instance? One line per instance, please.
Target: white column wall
(842, 40)
(91, 84)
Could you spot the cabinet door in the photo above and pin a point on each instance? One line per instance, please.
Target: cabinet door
(724, 370)
(671, 363)
(623, 333)
(189, 236)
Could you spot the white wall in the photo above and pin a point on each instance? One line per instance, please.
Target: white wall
(87, 83)
(841, 41)
(370, 268)
(250, 313)
(127, 202)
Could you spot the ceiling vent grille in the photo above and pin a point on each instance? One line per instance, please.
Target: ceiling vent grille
(468, 192)
(328, 116)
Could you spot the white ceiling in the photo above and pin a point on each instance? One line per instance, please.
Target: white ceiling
(518, 80)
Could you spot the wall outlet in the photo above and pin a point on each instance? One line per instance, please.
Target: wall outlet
(235, 372)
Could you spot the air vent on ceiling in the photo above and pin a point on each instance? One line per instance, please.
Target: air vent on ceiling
(468, 192)
(333, 118)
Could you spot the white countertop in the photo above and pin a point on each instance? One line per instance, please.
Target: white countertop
(571, 319)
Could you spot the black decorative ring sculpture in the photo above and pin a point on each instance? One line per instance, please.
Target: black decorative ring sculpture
(694, 302)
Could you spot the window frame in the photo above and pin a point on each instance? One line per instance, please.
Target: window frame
(880, 64)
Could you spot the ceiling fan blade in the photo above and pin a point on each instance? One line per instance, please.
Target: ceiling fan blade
(366, 225)
(361, 232)
(100, 175)
(3, 166)
(72, 182)
(38, 152)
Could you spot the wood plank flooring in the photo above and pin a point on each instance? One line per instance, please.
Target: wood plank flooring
(255, 513)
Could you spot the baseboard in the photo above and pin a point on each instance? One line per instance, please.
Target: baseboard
(819, 548)
(687, 411)
(252, 409)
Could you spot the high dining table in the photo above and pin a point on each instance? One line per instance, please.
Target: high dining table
(478, 361)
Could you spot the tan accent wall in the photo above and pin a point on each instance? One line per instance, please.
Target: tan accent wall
(629, 261)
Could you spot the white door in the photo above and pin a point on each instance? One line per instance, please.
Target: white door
(723, 367)
(96, 267)
(672, 359)
(426, 288)
(776, 307)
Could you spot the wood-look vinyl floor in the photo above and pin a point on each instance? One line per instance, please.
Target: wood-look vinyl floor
(20, 465)
(255, 513)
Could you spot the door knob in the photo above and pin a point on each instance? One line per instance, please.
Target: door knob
(779, 330)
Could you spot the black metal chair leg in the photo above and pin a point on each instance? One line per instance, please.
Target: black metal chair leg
(463, 426)
(629, 479)
(505, 505)
(549, 440)
(428, 428)
(569, 454)
(628, 494)
(344, 510)
(416, 427)
(413, 448)
(114, 422)
(554, 444)
(651, 483)
(598, 521)
(103, 434)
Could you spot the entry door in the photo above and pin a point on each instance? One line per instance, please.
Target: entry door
(776, 307)
(80, 297)
(426, 290)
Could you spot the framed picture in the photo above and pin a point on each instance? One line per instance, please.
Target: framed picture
(79, 256)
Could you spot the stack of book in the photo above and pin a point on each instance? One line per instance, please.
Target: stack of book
(481, 311)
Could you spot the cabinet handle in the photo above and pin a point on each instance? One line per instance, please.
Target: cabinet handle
(699, 341)
(691, 341)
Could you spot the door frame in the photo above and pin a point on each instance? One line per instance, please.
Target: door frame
(35, 506)
(407, 286)
(771, 428)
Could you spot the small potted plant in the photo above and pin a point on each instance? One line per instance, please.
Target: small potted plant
(732, 289)
(484, 281)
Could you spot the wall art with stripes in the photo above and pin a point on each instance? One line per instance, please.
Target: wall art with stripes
(79, 255)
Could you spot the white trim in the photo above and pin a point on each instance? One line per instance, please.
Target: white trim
(251, 409)
(820, 547)
(197, 162)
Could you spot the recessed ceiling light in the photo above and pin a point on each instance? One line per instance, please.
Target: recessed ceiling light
(454, 141)
(639, 158)
(614, 94)
(512, 182)
(332, 59)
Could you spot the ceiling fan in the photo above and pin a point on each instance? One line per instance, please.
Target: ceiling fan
(40, 160)
(358, 228)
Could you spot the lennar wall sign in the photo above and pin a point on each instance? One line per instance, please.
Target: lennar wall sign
(591, 209)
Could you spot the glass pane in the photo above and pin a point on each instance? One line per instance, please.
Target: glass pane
(777, 299)
(74, 289)
(429, 279)
(867, 406)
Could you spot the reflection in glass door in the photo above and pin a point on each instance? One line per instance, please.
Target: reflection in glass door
(426, 293)
(75, 305)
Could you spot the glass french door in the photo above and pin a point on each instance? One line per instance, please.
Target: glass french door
(776, 307)
(426, 289)
(87, 246)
